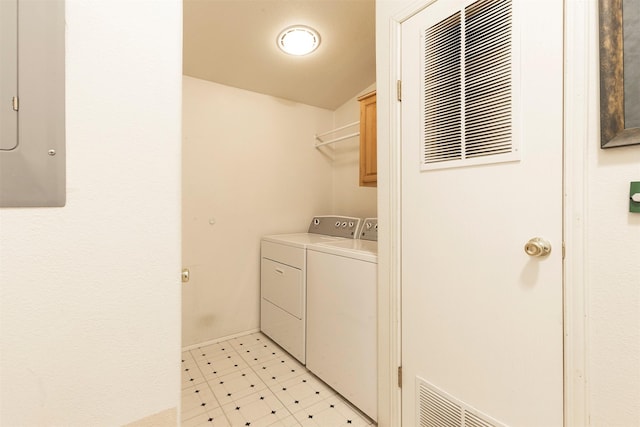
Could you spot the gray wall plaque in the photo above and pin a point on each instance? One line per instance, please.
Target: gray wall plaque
(32, 111)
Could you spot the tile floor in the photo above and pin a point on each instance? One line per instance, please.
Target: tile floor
(251, 381)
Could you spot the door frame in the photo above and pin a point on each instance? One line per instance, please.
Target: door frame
(580, 42)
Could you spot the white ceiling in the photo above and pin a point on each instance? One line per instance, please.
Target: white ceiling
(233, 42)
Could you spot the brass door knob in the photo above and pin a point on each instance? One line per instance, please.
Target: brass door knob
(185, 275)
(538, 247)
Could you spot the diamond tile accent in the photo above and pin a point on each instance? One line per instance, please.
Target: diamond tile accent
(249, 381)
(262, 408)
(196, 400)
(303, 391)
(278, 370)
(260, 353)
(191, 374)
(210, 418)
(227, 363)
(236, 385)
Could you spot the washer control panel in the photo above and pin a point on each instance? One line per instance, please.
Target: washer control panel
(369, 230)
(336, 226)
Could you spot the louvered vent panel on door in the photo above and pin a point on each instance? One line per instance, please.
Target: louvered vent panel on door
(468, 86)
(437, 411)
(435, 408)
(488, 100)
(442, 91)
(472, 420)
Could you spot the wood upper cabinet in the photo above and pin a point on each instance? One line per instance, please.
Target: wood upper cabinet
(368, 141)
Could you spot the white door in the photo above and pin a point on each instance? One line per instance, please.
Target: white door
(482, 321)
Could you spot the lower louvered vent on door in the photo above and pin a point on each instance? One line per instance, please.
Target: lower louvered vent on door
(468, 84)
(435, 408)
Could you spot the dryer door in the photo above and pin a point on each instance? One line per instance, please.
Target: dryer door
(282, 285)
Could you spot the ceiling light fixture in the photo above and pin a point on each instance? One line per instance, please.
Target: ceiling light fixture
(298, 40)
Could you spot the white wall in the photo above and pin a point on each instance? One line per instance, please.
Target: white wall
(612, 271)
(250, 166)
(612, 247)
(348, 197)
(613, 287)
(89, 293)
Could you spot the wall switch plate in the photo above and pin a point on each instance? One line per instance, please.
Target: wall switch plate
(634, 194)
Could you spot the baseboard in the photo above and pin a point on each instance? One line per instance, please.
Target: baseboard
(167, 418)
(217, 340)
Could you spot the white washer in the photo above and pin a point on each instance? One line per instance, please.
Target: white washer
(341, 317)
(283, 279)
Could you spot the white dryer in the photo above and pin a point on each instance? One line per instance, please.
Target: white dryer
(342, 316)
(283, 279)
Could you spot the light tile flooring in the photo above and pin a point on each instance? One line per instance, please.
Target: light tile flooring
(251, 381)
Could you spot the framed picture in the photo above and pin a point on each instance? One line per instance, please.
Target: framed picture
(619, 73)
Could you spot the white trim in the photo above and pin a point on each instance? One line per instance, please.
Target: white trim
(217, 340)
(390, 346)
(395, 312)
(579, 46)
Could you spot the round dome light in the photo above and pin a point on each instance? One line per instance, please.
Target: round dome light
(298, 40)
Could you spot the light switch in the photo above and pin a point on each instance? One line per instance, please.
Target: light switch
(634, 197)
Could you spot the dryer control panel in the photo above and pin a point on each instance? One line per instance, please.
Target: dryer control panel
(336, 226)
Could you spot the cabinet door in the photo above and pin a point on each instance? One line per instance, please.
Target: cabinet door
(368, 141)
